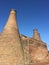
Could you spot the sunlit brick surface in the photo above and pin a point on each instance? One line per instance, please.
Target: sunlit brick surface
(10, 44)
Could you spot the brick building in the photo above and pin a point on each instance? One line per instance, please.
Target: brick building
(17, 49)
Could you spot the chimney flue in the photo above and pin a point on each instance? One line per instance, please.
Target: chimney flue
(36, 35)
(13, 11)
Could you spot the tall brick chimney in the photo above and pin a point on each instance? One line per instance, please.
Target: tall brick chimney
(11, 24)
(36, 35)
(10, 46)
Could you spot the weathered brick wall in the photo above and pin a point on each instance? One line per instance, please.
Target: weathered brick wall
(37, 50)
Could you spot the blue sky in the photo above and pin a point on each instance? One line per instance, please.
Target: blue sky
(31, 14)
